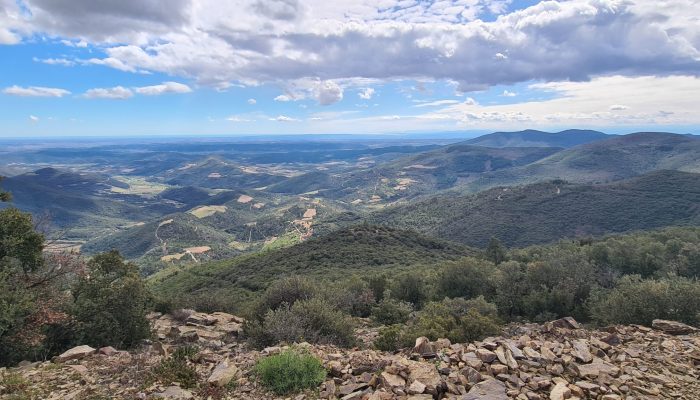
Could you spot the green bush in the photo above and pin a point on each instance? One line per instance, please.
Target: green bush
(313, 321)
(353, 296)
(453, 319)
(110, 303)
(467, 278)
(20, 259)
(14, 385)
(391, 311)
(177, 368)
(285, 291)
(638, 301)
(411, 288)
(392, 338)
(554, 279)
(290, 371)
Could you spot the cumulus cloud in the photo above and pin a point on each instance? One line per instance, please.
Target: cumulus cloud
(508, 93)
(55, 61)
(35, 91)
(366, 94)
(283, 98)
(117, 92)
(618, 107)
(163, 88)
(252, 101)
(586, 103)
(328, 93)
(287, 40)
(284, 118)
(33, 118)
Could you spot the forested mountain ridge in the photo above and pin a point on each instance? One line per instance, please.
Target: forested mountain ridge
(547, 211)
(535, 138)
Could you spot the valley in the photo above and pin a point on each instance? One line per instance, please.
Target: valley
(167, 203)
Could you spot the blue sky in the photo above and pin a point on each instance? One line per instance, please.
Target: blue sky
(151, 67)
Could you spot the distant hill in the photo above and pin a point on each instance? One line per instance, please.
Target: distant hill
(433, 170)
(534, 138)
(315, 180)
(215, 172)
(546, 212)
(358, 249)
(183, 230)
(78, 201)
(617, 158)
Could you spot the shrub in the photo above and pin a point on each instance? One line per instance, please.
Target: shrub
(290, 371)
(378, 284)
(392, 338)
(15, 385)
(391, 311)
(638, 301)
(467, 278)
(284, 291)
(410, 288)
(313, 321)
(456, 319)
(353, 296)
(110, 303)
(177, 368)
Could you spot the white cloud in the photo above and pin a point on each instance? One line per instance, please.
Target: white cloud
(55, 61)
(33, 118)
(437, 103)
(366, 94)
(35, 91)
(252, 101)
(470, 102)
(117, 92)
(586, 104)
(284, 118)
(236, 118)
(163, 88)
(281, 41)
(508, 93)
(111, 62)
(81, 43)
(618, 107)
(283, 98)
(328, 93)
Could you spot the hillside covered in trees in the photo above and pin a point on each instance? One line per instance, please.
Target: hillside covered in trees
(546, 212)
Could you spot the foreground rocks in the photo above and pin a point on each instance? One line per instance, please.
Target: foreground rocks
(558, 360)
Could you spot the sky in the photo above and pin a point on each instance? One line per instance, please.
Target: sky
(251, 67)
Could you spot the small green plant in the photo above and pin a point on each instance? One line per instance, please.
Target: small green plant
(290, 371)
(392, 338)
(14, 385)
(391, 311)
(185, 353)
(177, 368)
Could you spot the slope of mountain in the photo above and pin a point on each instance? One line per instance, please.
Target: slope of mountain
(603, 161)
(77, 202)
(437, 169)
(534, 138)
(546, 212)
(359, 249)
(218, 173)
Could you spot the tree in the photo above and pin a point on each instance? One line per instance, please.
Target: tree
(20, 254)
(410, 288)
(110, 303)
(495, 251)
(468, 277)
(4, 196)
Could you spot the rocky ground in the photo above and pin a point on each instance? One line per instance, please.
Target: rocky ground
(557, 360)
